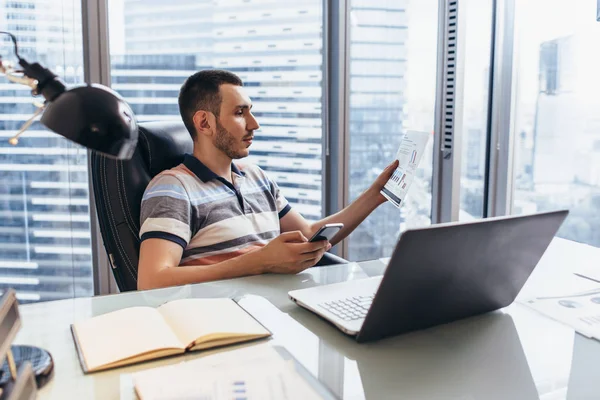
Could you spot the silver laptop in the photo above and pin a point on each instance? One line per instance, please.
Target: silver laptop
(437, 275)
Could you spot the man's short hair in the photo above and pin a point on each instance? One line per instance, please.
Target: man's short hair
(201, 92)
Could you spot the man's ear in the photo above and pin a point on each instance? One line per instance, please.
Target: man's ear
(204, 122)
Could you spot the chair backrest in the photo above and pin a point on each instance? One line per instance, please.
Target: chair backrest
(119, 187)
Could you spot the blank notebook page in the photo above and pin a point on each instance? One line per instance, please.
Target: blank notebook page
(195, 318)
(122, 334)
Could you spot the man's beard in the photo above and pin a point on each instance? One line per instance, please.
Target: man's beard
(227, 143)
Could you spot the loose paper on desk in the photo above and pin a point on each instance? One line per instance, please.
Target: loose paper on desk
(409, 155)
(581, 310)
(256, 372)
(587, 265)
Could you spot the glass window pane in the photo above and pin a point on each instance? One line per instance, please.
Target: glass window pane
(392, 89)
(557, 129)
(477, 51)
(273, 45)
(45, 250)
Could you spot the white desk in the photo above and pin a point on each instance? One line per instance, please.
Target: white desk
(510, 355)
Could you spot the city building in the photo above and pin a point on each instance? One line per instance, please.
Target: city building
(45, 246)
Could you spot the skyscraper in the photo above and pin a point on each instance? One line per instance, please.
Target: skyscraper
(276, 52)
(378, 57)
(44, 216)
(566, 163)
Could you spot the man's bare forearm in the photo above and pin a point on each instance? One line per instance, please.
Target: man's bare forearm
(352, 215)
(252, 263)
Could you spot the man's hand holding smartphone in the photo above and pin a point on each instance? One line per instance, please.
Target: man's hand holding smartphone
(291, 252)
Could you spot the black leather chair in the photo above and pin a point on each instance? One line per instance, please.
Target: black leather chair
(119, 186)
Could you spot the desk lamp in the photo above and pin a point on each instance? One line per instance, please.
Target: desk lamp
(91, 115)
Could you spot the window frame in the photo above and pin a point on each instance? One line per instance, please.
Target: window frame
(96, 62)
(500, 153)
(336, 89)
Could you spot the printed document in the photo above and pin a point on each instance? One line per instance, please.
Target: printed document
(252, 373)
(409, 155)
(581, 310)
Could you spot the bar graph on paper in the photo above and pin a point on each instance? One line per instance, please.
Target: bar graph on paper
(408, 155)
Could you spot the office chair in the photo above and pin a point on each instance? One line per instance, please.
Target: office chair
(118, 188)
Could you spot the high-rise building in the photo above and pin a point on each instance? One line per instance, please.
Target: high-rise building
(566, 116)
(45, 251)
(378, 59)
(275, 50)
(555, 114)
(566, 163)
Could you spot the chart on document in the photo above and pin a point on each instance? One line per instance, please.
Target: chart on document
(409, 155)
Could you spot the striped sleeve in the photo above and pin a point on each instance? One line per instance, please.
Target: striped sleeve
(281, 203)
(166, 211)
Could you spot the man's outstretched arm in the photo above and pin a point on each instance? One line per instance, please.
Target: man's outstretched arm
(350, 216)
(289, 253)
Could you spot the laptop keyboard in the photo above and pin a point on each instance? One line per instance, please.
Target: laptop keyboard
(349, 309)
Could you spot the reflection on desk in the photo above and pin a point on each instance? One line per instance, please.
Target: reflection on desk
(584, 380)
(481, 358)
(477, 358)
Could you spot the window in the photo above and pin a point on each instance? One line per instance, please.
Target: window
(392, 89)
(477, 52)
(557, 125)
(45, 250)
(273, 45)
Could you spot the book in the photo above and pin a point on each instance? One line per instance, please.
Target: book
(137, 334)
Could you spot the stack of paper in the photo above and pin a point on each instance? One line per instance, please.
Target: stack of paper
(257, 372)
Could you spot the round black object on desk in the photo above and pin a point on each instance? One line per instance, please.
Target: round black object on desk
(41, 363)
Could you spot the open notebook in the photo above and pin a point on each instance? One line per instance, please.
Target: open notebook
(136, 334)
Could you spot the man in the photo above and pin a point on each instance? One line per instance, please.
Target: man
(210, 218)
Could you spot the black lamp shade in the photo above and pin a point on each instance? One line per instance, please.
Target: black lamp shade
(96, 117)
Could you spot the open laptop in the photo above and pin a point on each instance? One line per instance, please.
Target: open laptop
(437, 275)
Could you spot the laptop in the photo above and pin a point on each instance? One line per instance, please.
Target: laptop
(438, 274)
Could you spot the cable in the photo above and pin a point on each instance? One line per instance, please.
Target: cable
(14, 40)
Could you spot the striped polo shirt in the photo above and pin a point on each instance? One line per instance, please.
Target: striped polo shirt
(211, 218)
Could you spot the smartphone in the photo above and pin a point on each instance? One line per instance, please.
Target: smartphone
(326, 232)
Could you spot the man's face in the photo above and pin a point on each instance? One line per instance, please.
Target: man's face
(236, 124)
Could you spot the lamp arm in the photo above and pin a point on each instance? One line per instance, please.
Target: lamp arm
(15, 139)
(15, 45)
(9, 72)
(48, 84)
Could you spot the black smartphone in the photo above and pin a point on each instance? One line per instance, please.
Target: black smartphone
(326, 232)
